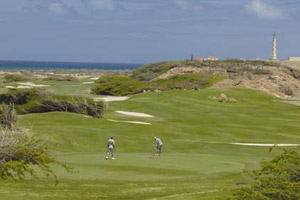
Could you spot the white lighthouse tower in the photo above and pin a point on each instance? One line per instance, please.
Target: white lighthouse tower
(274, 50)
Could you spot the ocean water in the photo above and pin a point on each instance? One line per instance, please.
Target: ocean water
(39, 65)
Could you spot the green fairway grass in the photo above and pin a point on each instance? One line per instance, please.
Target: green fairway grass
(198, 161)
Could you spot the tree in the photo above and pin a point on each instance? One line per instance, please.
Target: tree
(278, 179)
(21, 151)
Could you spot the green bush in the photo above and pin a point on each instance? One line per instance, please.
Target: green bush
(15, 78)
(126, 85)
(23, 96)
(118, 85)
(186, 81)
(21, 153)
(61, 78)
(39, 101)
(151, 71)
(278, 179)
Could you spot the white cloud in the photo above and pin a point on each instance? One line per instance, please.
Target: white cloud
(185, 5)
(263, 10)
(55, 7)
(108, 5)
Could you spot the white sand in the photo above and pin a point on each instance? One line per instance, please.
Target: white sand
(90, 82)
(94, 78)
(129, 122)
(10, 87)
(266, 145)
(19, 87)
(24, 87)
(33, 85)
(109, 99)
(135, 114)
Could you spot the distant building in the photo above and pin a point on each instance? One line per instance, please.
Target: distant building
(200, 58)
(212, 58)
(294, 59)
(206, 59)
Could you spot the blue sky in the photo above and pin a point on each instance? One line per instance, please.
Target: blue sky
(142, 31)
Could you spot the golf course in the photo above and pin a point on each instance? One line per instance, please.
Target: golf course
(200, 157)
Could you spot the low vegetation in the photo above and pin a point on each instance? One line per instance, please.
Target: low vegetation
(61, 78)
(8, 117)
(38, 101)
(15, 78)
(21, 152)
(278, 179)
(127, 85)
(151, 71)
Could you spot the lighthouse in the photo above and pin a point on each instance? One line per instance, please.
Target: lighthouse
(274, 50)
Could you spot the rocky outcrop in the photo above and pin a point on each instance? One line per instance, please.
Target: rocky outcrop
(280, 81)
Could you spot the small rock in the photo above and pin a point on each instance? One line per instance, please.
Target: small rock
(232, 100)
(222, 98)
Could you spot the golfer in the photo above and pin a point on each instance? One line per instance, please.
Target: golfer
(110, 148)
(159, 145)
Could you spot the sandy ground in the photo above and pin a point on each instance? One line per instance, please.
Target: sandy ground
(94, 78)
(33, 85)
(110, 98)
(134, 114)
(90, 82)
(265, 145)
(27, 85)
(292, 64)
(19, 87)
(129, 122)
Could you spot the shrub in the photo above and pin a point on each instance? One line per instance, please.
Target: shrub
(15, 78)
(22, 96)
(286, 90)
(261, 71)
(194, 81)
(151, 71)
(278, 179)
(38, 101)
(118, 85)
(126, 85)
(21, 153)
(8, 117)
(61, 78)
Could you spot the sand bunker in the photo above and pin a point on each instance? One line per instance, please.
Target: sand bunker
(94, 78)
(266, 145)
(19, 87)
(90, 82)
(129, 122)
(135, 114)
(33, 85)
(10, 87)
(109, 99)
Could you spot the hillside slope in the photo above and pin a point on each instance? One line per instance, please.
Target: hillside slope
(271, 77)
